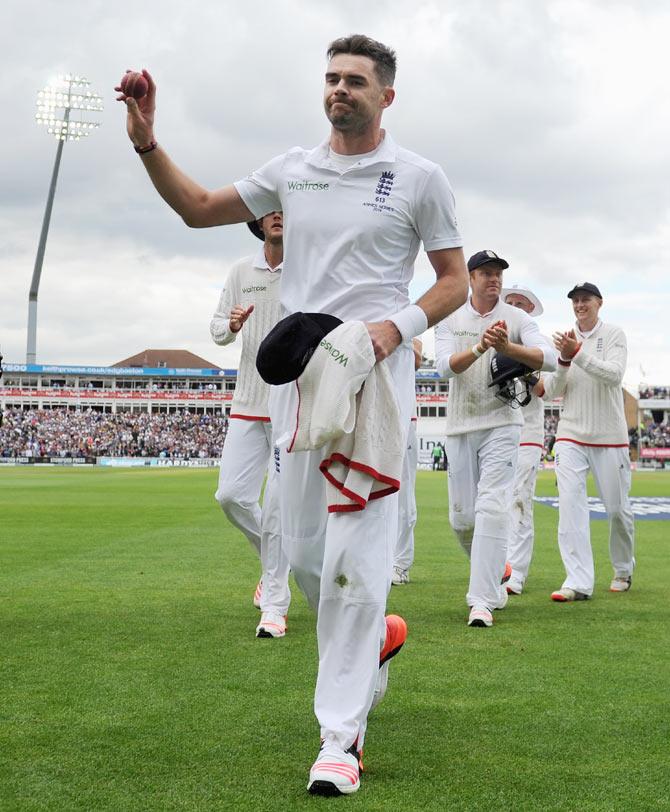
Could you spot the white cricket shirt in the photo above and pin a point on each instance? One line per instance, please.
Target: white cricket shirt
(250, 282)
(351, 235)
(472, 404)
(593, 412)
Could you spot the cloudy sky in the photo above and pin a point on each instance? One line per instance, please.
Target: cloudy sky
(550, 119)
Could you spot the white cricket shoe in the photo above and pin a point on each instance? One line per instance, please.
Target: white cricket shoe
(400, 576)
(514, 587)
(621, 584)
(335, 771)
(258, 594)
(565, 594)
(480, 617)
(272, 625)
(503, 597)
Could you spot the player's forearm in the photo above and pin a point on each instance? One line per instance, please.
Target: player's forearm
(220, 331)
(460, 361)
(555, 383)
(448, 360)
(179, 191)
(197, 206)
(450, 290)
(532, 357)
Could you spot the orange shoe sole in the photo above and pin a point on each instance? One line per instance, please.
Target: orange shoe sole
(396, 634)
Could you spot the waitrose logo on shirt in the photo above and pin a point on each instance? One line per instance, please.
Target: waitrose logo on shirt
(307, 186)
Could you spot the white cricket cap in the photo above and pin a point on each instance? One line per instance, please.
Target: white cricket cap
(537, 310)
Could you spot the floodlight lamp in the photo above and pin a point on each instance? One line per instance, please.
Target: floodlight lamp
(64, 97)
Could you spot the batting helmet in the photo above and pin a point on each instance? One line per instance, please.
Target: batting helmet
(513, 380)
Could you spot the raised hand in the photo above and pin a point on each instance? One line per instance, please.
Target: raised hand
(566, 343)
(496, 336)
(141, 112)
(238, 315)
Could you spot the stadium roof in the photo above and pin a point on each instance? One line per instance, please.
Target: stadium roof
(166, 358)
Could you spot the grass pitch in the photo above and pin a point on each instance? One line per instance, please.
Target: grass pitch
(130, 678)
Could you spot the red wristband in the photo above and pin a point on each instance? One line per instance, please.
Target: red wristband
(144, 150)
(566, 362)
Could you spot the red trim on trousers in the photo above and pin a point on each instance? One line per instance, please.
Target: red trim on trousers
(591, 445)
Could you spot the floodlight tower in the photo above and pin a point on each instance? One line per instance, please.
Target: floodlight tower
(61, 107)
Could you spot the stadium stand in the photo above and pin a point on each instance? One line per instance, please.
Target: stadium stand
(173, 405)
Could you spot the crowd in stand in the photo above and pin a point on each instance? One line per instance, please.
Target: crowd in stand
(62, 433)
(655, 435)
(58, 432)
(660, 392)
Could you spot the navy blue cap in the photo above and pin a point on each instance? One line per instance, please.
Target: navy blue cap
(285, 351)
(585, 287)
(482, 257)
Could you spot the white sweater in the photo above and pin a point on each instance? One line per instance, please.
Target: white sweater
(250, 281)
(593, 411)
(472, 405)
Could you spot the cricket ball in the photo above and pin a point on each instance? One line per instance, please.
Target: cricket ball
(134, 84)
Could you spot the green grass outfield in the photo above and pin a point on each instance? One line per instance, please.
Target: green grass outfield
(130, 678)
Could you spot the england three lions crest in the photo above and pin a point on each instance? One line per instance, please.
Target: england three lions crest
(382, 193)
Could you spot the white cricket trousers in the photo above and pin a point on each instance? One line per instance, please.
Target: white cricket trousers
(247, 456)
(404, 549)
(610, 467)
(482, 465)
(342, 562)
(522, 530)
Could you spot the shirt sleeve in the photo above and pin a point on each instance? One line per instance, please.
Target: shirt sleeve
(555, 383)
(435, 218)
(532, 337)
(260, 189)
(219, 326)
(612, 370)
(445, 347)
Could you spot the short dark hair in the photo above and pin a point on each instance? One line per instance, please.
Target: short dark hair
(361, 45)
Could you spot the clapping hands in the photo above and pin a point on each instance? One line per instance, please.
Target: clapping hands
(566, 343)
(495, 336)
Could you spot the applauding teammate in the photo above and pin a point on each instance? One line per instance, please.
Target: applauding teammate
(483, 432)
(591, 435)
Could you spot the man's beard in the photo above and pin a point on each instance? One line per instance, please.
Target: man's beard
(350, 121)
